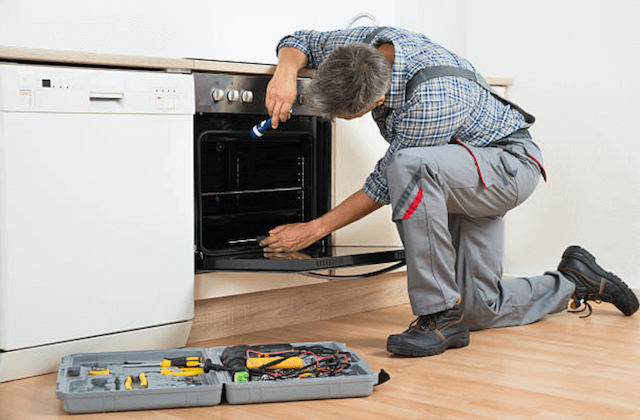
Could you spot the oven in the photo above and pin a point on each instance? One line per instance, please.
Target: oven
(245, 186)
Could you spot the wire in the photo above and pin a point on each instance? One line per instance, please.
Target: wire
(323, 359)
(357, 276)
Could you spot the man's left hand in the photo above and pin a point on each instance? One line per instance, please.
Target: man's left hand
(287, 238)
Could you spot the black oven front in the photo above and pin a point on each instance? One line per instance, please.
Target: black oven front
(245, 186)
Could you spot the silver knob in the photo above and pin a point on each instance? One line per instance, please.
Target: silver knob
(233, 95)
(217, 95)
(247, 96)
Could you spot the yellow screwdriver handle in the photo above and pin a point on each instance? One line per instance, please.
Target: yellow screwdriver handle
(99, 371)
(190, 361)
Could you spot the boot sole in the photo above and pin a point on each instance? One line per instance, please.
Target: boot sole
(407, 349)
(589, 260)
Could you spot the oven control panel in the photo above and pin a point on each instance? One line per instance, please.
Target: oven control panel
(240, 94)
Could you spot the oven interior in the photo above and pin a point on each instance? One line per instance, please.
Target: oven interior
(247, 186)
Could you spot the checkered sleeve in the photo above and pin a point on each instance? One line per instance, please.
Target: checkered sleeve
(423, 124)
(318, 45)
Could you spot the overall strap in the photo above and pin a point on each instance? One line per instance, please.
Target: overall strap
(373, 33)
(442, 71)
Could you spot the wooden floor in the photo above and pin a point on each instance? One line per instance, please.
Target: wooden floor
(563, 368)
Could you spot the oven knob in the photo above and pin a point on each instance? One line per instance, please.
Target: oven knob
(247, 96)
(233, 95)
(217, 95)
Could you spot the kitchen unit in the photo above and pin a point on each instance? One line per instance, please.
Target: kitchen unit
(96, 212)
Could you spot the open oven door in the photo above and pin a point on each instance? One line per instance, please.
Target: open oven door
(316, 257)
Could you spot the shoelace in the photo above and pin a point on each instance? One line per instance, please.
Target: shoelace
(428, 321)
(578, 302)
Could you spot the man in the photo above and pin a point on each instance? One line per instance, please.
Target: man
(459, 158)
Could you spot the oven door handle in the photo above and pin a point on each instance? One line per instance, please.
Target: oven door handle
(247, 133)
(357, 276)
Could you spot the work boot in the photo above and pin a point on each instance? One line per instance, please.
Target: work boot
(593, 283)
(429, 335)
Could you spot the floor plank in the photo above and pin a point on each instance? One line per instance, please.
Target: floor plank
(563, 367)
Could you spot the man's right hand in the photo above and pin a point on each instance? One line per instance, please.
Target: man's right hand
(282, 89)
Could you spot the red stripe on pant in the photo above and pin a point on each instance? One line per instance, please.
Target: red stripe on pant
(414, 205)
(474, 160)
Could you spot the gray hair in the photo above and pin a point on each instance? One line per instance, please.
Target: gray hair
(349, 81)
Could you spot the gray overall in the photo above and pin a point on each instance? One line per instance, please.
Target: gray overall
(448, 203)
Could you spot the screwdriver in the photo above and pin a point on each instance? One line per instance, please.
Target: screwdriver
(99, 371)
(182, 372)
(181, 362)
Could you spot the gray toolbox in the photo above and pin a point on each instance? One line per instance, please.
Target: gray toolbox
(98, 382)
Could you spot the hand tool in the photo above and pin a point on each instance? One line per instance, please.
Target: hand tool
(181, 372)
(99, 371)
(293, 362)
(127, 383)
(141, 380)
(144, 383)
(181, 362)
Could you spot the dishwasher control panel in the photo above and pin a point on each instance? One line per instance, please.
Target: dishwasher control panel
(69, 89)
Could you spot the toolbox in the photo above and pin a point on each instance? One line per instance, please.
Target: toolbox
(191, 377)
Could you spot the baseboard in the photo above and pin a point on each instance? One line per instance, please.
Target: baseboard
(241, 314)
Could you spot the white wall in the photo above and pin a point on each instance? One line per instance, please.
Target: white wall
(444, 21)
(243, 30)
(575, 68)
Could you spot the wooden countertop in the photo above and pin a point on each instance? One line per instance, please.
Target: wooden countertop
(40, 55)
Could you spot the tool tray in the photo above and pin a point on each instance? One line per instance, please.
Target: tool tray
(84, 392)
(85, 386)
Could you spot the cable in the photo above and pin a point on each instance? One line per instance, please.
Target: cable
(357, 276)
(359, 16)
(320, 361)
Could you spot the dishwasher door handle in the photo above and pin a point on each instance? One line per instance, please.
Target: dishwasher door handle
(101, 96)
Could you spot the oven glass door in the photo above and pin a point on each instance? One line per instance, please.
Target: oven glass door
(316, 257)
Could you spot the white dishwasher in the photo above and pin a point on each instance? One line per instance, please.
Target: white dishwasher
(96, 213)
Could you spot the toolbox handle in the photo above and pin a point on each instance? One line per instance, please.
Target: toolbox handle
(383, 377)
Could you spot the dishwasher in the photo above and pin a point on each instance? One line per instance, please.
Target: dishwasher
(96, 212)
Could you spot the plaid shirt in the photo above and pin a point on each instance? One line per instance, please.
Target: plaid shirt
(438, 111)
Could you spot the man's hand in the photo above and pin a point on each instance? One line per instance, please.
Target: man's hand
(282, 89)
(297, 236)
(281, 93)
(288, 238)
